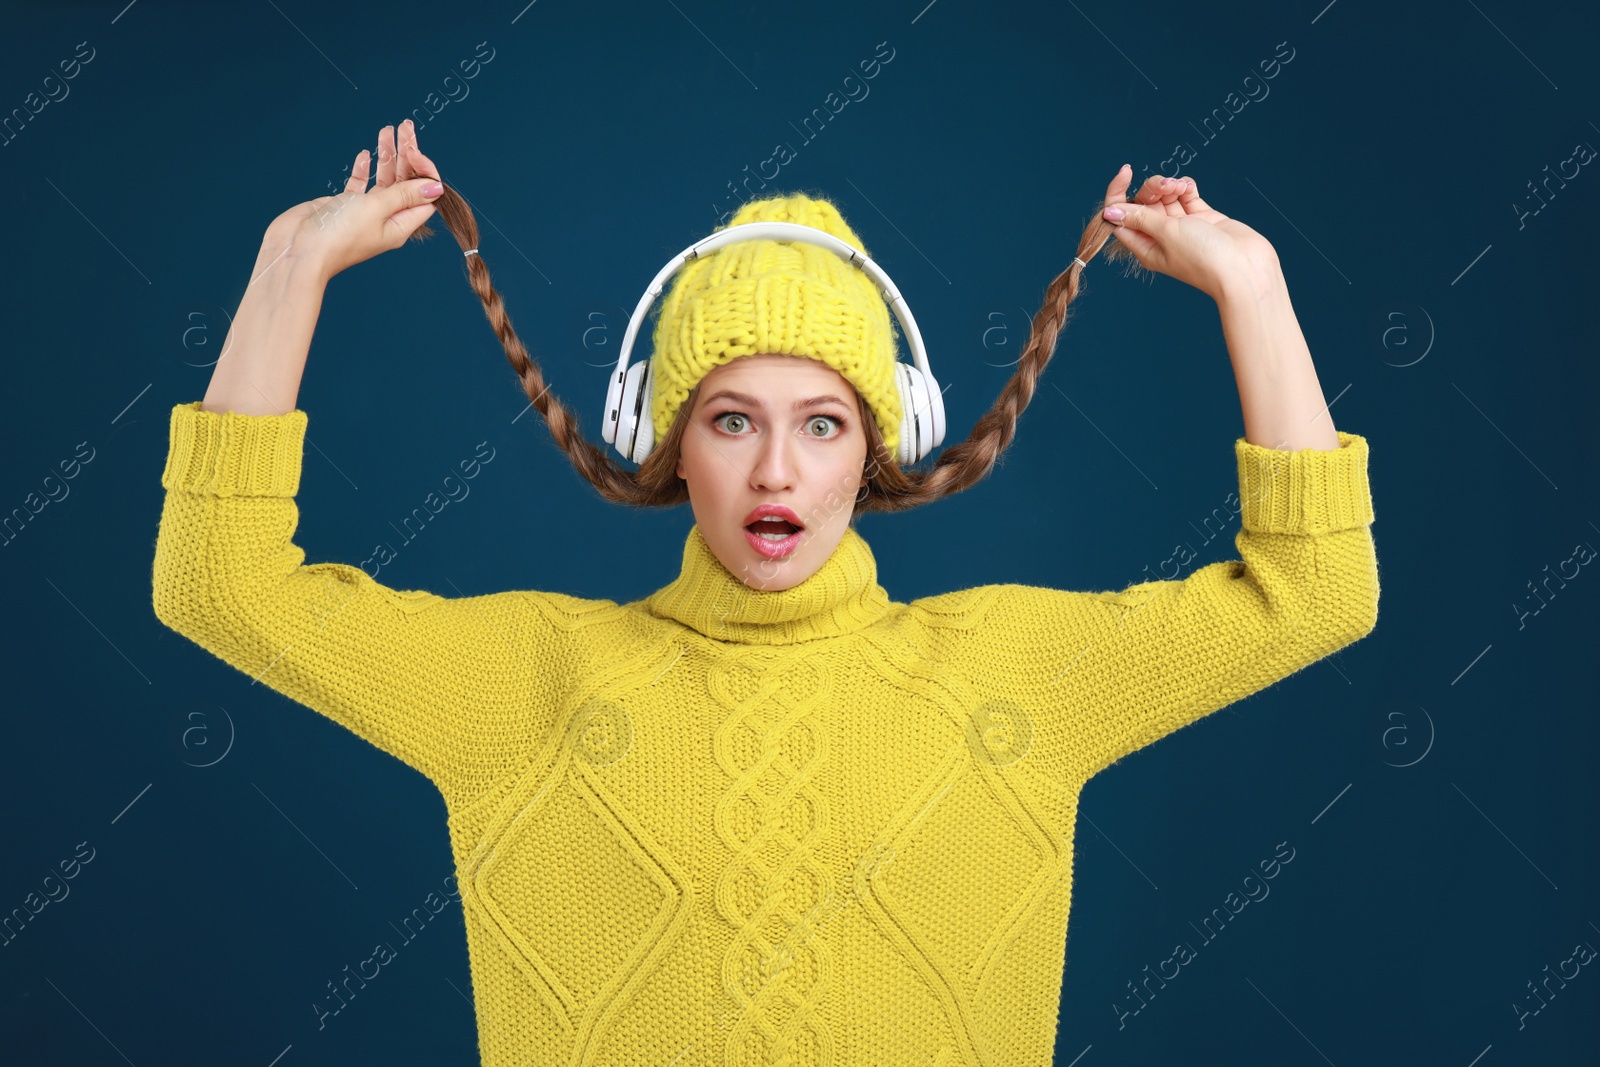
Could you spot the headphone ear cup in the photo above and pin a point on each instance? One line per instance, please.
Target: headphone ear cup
(934, 412)
(610, 422)
(907, 451)
(645, 435)
(917, 424)
(635, 432)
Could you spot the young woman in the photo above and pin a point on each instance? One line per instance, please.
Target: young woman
(766, 814)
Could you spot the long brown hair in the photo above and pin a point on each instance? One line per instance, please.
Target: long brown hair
(890, 487)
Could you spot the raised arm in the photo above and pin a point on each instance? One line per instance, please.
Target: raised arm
(1108, 673)
(1169, 229)
(264, 355)
(455, 688)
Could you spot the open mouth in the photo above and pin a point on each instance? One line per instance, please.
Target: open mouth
(775, 530)
(773, 538)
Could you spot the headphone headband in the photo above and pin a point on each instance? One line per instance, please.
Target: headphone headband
(917, 391)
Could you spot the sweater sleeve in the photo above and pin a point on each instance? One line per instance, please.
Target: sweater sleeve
(455, 688)
(1107, 673)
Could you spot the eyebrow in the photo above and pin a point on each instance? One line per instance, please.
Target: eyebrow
(799, 405)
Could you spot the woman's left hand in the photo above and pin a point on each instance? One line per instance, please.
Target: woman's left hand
(1168, 228)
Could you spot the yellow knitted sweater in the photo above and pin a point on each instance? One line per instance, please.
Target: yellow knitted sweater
(737, 827)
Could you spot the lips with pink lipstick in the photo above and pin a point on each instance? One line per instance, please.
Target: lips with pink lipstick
(773, 530)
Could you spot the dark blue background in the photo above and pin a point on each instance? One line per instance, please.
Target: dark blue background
(1386, 166)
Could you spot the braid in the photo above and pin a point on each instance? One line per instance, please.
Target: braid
(655, 483)
(890, 487)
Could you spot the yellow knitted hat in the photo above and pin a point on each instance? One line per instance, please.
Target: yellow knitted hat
(784, 297)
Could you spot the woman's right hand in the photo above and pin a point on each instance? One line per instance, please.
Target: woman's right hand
(336, 232)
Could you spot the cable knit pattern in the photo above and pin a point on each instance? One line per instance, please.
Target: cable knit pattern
(736, 827)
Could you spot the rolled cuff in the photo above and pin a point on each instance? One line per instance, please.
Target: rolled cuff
(1307, 491)
(232, 454)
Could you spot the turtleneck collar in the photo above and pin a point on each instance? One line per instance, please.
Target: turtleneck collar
(841, 597)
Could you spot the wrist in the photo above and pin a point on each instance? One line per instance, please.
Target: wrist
(1252, 284)
(285, 260)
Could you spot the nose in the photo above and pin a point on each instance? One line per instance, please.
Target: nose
(774, 464)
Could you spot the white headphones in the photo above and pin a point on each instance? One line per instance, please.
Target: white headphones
(627, 423)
